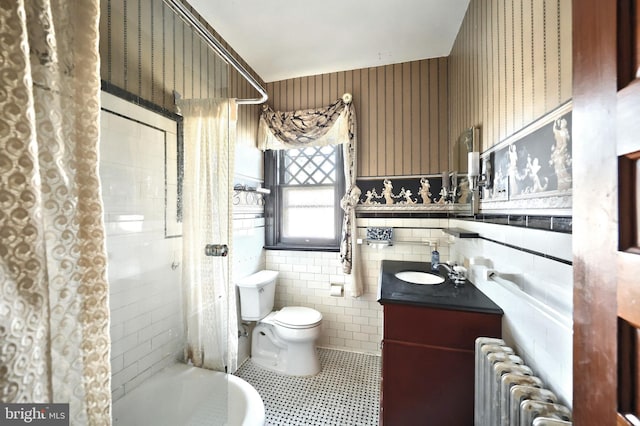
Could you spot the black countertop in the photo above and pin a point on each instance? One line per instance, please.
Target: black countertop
(464, 297)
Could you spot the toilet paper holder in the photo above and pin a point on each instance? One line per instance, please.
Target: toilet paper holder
(336, 290)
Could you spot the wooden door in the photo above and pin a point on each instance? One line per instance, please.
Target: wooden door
(606, 150)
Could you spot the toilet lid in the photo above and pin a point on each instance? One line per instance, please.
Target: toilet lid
(297, 317)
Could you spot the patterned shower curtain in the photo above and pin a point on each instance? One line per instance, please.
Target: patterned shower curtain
(54, 310)
(208, 290)
(335, 124)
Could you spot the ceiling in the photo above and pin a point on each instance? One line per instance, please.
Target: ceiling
(282, 39)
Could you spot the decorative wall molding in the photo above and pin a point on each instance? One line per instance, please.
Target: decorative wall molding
(531, 170)
(435, 208)
(414, 194)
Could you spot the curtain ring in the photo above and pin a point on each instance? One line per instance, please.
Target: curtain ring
(346, 98)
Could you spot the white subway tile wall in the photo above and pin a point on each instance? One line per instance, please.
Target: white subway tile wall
(348, 323)
(247, 257)
(538, 310)
(146, 320)
(248, 242)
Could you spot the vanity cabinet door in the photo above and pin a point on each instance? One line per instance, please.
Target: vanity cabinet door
(428, 363)
(426, 385)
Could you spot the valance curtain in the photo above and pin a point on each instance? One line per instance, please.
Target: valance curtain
(208, 291)
(333, 125)
(54, 296)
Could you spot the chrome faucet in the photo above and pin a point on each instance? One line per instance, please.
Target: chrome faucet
(458, 276)
(447, 267)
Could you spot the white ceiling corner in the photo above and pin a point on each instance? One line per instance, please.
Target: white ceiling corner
(282, 39)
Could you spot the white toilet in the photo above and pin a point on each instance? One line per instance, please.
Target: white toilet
(283, 341)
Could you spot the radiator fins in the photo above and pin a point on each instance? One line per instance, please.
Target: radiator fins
(508, 394)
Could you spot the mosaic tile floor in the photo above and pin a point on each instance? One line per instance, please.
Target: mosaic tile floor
(345, 393)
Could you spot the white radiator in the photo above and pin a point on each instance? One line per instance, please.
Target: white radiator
(508, 394)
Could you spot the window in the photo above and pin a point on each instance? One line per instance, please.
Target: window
(303, 210)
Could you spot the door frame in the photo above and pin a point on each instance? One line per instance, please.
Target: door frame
(595, 212)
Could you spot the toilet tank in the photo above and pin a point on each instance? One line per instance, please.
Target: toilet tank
(257, 292)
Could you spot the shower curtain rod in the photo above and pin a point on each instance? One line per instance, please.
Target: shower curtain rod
(181, 10)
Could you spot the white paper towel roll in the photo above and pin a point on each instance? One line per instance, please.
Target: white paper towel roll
(336, 290)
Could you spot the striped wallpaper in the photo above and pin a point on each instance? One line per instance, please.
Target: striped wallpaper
(149, 52)
(401, 111)
(510, 64)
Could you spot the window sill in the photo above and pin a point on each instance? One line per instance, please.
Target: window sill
(303, 248)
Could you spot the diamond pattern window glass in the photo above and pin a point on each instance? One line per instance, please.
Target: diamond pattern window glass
(310, 165)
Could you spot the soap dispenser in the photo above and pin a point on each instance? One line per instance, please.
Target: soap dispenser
(435, 257)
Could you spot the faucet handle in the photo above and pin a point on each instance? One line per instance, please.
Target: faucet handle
(460, 274)
(460, 270)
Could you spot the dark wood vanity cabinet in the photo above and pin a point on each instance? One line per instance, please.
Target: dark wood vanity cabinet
(428, 364)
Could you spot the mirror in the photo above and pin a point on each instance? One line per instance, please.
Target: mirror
(459, 156)
(466, 143)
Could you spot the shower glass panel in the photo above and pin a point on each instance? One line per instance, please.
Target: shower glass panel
(148, 53)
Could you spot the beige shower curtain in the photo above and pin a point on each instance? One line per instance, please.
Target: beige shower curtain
(54, 311)
(208, 290)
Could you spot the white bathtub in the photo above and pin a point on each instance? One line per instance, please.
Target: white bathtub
(185, 395)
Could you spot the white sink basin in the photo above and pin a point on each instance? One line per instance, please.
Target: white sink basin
(416, 277)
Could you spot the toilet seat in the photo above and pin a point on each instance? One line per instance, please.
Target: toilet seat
(297, 317)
